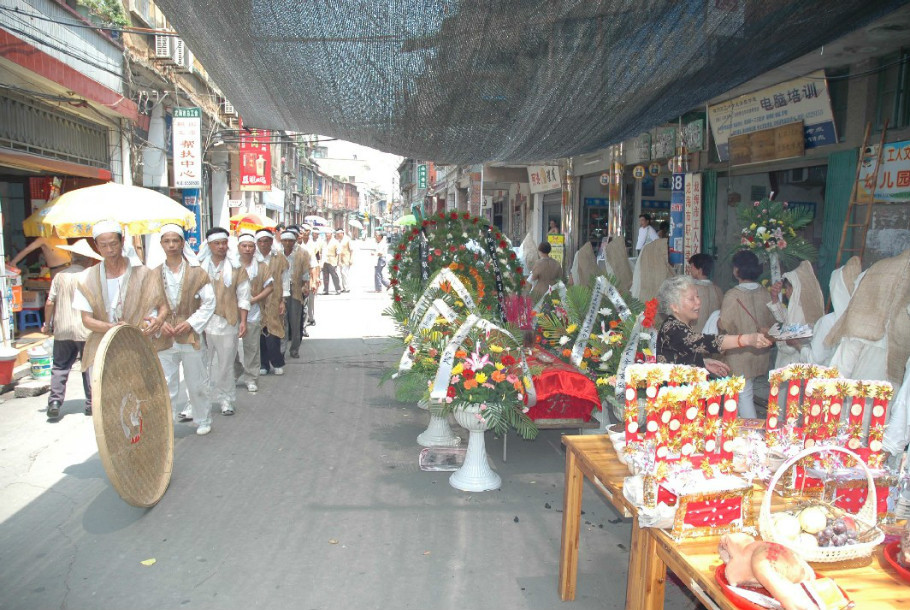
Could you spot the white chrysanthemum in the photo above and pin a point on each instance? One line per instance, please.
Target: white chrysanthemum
(604, 311)
(564, 339)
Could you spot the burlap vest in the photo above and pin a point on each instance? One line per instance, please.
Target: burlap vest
(194, 278)
(270, 317)
(300, 279)
(226, 298)
(143, 294)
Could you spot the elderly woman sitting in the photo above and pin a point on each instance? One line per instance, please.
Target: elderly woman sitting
(677, 343)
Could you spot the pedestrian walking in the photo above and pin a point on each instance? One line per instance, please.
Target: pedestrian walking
(247, 366)
(65, 323)
(300, 269)
(382, 255)
(329, 264)
(273, 312)
(307, 241)
(229, 321)
(345, 258)
(191, 301)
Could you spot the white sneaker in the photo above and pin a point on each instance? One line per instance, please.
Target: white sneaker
(252, 388)
(278, 370)
(203, 429)
(185, 416)
(263, 371)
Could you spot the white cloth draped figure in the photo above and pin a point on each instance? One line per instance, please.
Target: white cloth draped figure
(806, 306)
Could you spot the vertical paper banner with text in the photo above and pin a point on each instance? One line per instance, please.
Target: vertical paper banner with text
(692, 217)
(677, 218)
(255, 160)
(191, 202)
(186, 130)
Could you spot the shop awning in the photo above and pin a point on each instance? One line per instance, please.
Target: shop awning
(43, 165)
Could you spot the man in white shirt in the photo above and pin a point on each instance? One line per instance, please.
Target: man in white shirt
(261, 287)
(345, 258)
(382, 255)
(306, 240)
(646, 233)
(232, 304)
(191, 300)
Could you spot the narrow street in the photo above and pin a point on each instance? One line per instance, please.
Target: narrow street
(309, 497)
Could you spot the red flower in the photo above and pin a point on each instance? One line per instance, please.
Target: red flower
(442, 215)
(454, 216)
(398, 298)
(394, 267)
(451, 392)
(511, 256)
(415, 231)
(425, 223)
(429, 258)
(475, 220)
(503, 244)
(508, 360)
(519, 270)
(397, 257)
(466, 215)
(452, 248)
(461, 247)
(393, 282)
(411, 349)
(523, 282)
(437, 252)
(402, 247)
(467, 373)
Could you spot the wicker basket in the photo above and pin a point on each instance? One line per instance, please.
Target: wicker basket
(865, 518)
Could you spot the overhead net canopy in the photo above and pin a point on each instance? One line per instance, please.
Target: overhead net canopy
(467, 81)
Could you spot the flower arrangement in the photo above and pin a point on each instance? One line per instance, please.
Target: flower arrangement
(486, 373)
(457, 241)
(769, 228)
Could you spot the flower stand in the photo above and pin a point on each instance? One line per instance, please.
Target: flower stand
(475, 474)
(438, 432)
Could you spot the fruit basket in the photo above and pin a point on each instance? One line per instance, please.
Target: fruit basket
(868, 534)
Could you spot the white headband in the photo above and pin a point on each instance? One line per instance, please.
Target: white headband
(172, 228)
(289, 235)
(106, 226)
(246, 238)
(220, 233)
(264, 233)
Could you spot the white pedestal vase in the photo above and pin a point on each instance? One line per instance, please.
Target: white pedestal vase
(438, 432)
(475, 474)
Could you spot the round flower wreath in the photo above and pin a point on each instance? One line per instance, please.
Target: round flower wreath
(448, 237)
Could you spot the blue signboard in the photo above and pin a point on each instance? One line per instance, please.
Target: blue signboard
(191, 202)
(677, 218)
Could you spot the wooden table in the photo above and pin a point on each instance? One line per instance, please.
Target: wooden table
(652, 551)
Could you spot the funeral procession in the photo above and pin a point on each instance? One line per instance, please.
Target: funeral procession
(455, 304)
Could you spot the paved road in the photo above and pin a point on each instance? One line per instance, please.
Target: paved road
(310, 497)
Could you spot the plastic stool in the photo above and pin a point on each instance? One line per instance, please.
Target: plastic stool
(29, 318)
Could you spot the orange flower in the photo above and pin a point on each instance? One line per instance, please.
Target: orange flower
(461, 354)
(470, 384)
(517, 386)
(587, 352)
(445, 287)
(566, 353)
(614, 323)
(497, 376)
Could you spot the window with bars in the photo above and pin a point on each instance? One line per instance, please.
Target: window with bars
(893, 83)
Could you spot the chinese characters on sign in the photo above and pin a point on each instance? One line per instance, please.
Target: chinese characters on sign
(692, 217)
(422, 176)
(677, 222)
(186, 138)
(544, 178)
(784, 142)
(803, 99)
(893, 180)
(255, 160)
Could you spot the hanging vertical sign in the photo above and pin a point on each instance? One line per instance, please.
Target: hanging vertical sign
(692, 216)
(191, 202)
(677, 218)
(255, 159)
(186, 134)
(422, 176)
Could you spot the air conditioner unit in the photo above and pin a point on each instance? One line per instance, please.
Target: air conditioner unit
(799, 174)
(164, 47)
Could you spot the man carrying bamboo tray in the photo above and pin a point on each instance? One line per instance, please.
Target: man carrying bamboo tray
(191, 301)
(118, 290)
(270, 357)
(261, 286)
(300, 270)
(229, 322)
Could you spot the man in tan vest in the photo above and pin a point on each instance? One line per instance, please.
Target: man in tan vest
(247, 365)
(345, 258)
(118, 290)
(329, 264)
(300, 270)
(270, 356)
(306, 240)
(191, 302)
(228, 323)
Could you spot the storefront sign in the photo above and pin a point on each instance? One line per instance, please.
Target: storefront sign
(255, 160)
(557, 247)
(638, 172)
(422, 176)
(802, 99)
(638, 149)
(692, 217)
(186, 134)
(664, 143)
(544, 178)
(893, 180)
(784, 142)
(191, 202)
(692, 135)
(677, 218)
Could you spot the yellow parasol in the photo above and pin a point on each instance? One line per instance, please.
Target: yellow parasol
(139, 210)
(251, 221)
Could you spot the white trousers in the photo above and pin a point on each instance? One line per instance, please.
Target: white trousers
(344, 271)
(747, 401)
(195, 376)
(220, 352)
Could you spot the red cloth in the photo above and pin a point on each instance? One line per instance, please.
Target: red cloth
(563, 392)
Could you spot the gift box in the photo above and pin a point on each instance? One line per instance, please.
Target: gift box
(718, 506)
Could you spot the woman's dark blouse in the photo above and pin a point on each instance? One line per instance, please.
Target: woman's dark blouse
(677, 343)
